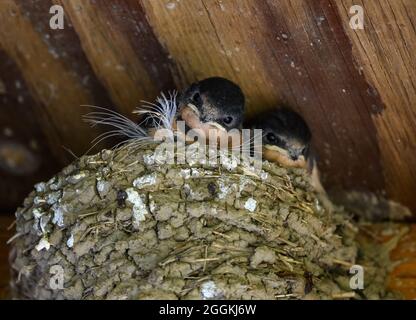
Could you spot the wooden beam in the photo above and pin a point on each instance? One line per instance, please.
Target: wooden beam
(358, 98)
(26, 157)
(385, 52)
(51, 83)
(120, 46)
(294, 52)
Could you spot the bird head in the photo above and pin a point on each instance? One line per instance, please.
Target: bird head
(286, 136)
(214, 103)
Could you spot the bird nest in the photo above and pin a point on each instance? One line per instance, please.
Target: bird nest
(123, 225)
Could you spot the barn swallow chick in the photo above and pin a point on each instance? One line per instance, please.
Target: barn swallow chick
(214, 103)
(286, 137)
(287, 141)
(211, 104)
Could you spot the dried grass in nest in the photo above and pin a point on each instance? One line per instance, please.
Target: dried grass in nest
(186, 232)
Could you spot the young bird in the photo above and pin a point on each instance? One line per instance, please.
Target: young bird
(286, 137)
(287, 141)
(213, 103)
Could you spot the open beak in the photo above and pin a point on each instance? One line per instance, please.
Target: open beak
(282, 156)
(277, 149)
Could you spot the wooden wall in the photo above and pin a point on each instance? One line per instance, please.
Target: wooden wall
(356, 88)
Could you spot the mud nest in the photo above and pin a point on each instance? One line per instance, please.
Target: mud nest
(121, 225)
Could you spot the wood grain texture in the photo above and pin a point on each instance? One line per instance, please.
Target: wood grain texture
(21, 127)
(125, 57)
(294, 52)
(355, 89)
(45, 81)
(56, 88)
(385, 51)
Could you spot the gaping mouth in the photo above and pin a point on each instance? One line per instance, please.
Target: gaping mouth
(276, 148)
(276, 154)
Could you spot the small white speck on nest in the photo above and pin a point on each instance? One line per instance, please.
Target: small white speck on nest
(38, 200)
(40, 187)
(103, 187)
(201, 172)
(185, 173)
(250, 205)
(54, 183)
(195, 154)
(188, 190)
(264, 175)
(43, 222)
(37, 213)
(76, 177)
(43, 244)
(152, 205)
(53, 197)
(165, 154)
(228, 161)
(196, 173)
(149, 159)
(58, 216)
(144, 181)
(225, 188)
(70, 241)
(318, 206)
(209, 290)
(139, 207)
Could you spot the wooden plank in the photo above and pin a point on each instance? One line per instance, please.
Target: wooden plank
(385, 51)
(115, 53)
(282, 51)
(44, 80)
(126, 57)
(64, 46)
(53, 85)
(55, 77)
(25, 155)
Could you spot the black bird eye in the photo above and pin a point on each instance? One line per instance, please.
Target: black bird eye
(271, 137)
(197, 99)
(228, 120)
